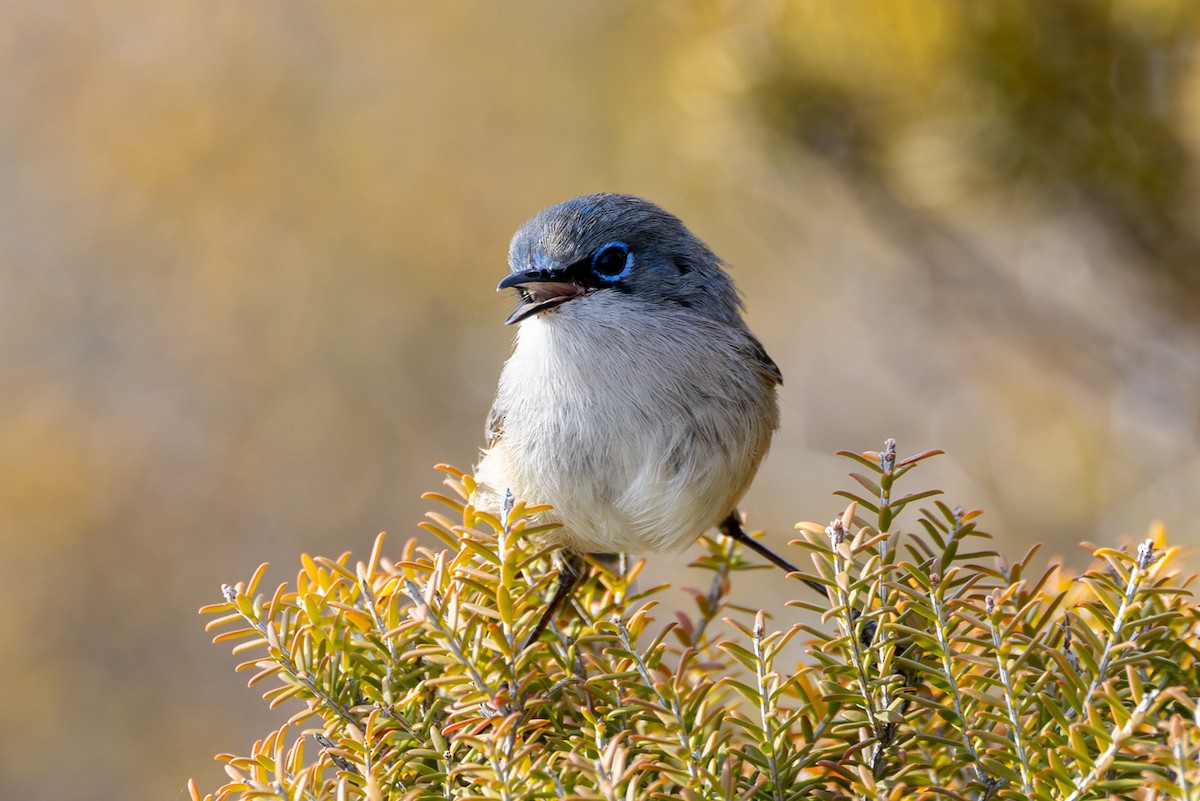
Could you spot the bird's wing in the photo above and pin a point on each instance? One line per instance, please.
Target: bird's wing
(767, 364)
(493, 431)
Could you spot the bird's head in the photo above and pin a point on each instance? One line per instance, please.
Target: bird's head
(617, 244)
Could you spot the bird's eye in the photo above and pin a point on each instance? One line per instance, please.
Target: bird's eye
(612, 261)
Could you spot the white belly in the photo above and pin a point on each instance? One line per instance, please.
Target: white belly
(634, 448)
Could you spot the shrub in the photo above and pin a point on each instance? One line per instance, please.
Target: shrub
(936, 669)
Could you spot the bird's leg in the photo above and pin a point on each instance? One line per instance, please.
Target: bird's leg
(570, 568)
(732, 527)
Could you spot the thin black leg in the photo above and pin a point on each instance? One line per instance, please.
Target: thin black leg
(732, 527)
(570, 568)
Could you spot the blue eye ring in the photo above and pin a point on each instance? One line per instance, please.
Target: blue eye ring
(612, 262)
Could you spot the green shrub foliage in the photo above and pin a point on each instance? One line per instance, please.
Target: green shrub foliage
(935, 668)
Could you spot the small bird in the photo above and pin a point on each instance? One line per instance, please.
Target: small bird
(636, 402)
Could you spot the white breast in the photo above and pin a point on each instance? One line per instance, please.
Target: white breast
(641, 430)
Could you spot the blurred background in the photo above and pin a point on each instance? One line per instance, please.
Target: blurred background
(248, 254)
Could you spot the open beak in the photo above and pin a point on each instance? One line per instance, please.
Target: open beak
(538, 291)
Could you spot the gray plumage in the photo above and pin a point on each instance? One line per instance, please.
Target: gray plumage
(636, 402)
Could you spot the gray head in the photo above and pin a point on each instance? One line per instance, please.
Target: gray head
(615, 244)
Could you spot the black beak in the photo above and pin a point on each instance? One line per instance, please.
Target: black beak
(525, 277)
(539, 291)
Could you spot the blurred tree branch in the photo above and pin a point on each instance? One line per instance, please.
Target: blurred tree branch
(1080, 103)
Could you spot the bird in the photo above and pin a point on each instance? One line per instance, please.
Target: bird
(636, 403)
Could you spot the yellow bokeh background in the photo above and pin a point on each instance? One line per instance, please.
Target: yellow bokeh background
(248, 253)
